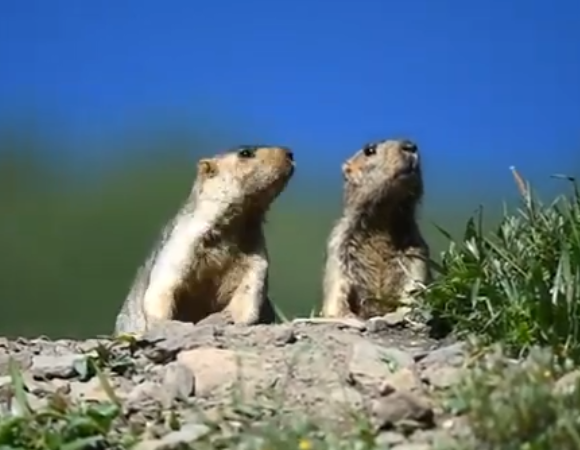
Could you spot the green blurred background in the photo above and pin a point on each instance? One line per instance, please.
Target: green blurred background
(72, 233)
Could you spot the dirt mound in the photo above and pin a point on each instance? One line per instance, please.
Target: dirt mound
(234, 374)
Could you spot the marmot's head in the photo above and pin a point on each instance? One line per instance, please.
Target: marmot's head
(248, 175)
(384, 171)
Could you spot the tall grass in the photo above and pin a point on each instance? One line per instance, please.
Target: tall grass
(520, 283)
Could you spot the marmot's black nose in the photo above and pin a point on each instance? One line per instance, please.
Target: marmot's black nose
(289, 155)
(409, 146)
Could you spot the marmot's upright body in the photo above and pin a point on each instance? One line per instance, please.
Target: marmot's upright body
(212, 256)
(375, 252)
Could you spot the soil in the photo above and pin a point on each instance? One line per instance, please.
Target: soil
(391, 373)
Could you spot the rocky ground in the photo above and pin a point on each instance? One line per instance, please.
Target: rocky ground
(388, 374)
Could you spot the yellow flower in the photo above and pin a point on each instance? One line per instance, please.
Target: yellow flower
(305, 444)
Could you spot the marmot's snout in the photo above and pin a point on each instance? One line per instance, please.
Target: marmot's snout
(410, 156)
(409, 146)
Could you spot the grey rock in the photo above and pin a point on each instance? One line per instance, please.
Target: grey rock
(63, 366)
(188, 434)
(377, 325)
(178, 382)
(347, 396)
(89, 345)
(23, 361)
(91, 389)
(441, 376)
(5, 380)
(164, 341)
(402, 408)
(567, 383)
(41, 388)
(389, 320)
(60, 386)
(369, 360)
(220, 319)
(406, 378)
(34, 403)
(144, 393)
(390, 438)
(4, 409)
(412, 446)
(453, 355)
(338, 322)
(221, 369)
(284, 336)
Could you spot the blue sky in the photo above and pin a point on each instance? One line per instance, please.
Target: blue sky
(480, 85)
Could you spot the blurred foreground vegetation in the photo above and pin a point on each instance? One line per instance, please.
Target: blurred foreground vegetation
(517, 283)
(73, 230)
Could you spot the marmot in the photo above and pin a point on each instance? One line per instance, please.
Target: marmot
(375, 253)
(212, 257)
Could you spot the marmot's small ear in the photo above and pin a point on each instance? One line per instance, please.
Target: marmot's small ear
(206, 168)
(346, 170)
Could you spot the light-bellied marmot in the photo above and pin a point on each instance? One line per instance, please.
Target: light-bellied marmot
(375, 253)
(212, 256)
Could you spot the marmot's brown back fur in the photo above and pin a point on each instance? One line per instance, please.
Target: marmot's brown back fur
(375, 253)
(212, 256)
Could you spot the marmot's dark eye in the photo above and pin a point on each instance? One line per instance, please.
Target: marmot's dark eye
(370, 149)
(246, 153)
